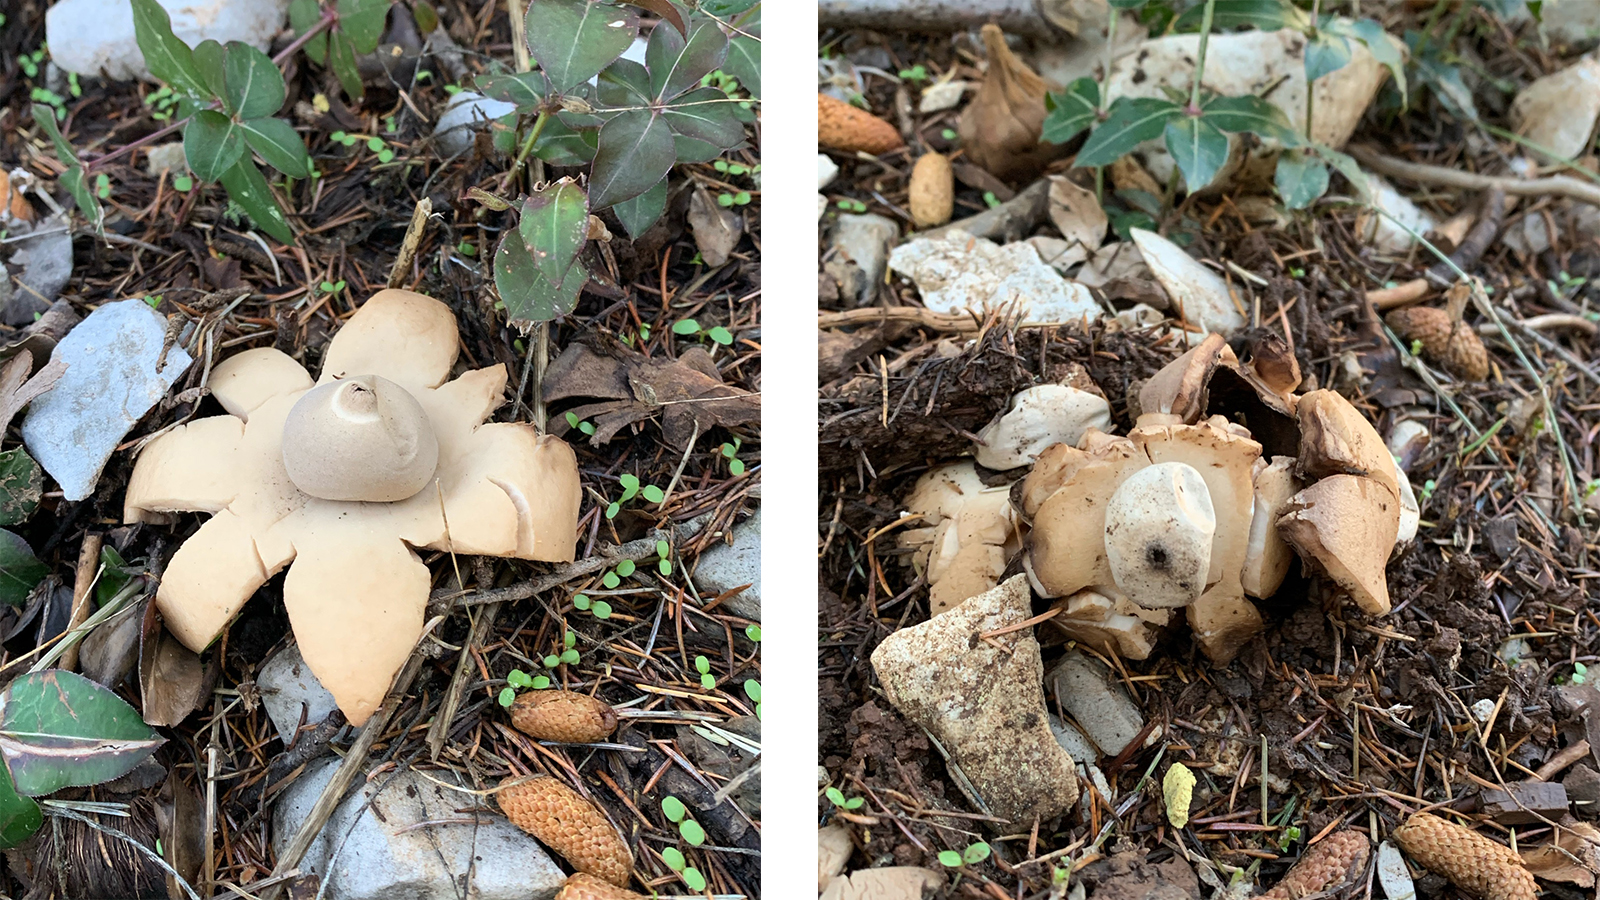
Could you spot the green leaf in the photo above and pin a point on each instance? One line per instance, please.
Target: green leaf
(706, 114)
(1445, 80)
(574, 39)
(570, 657)
(304, 16)
(527, 294)
(652, 493)
(950, 859)
(248, 188)
(1071, 111)
(686, 326)
(362, 21)
(255, 86)
(1131, 121)
(673, 809)
(83, 195)
(1198, 147)
(1384, 47)
(634, 153)
(209, 61)
(21, 486)
(279, 144)
(602, 609)
(582, 602)
(540, 682)
(677, 65)
(695, 881)
(508, 696)
(692, 832)
(744, 63)
(522, 88)
(975, 853)
(167, 57)
(752, 689)
(702, 665)
(1301, 178)
(673, 857)
(1252, 114)
(1267, 15)
(115, 576)
(20, 570)
(212, 144)
(639, 213)
(561, 145)
(720, 335)
(45, 116)
(626, 568)
(343, 60)
(20, 816)
(1347, 166)
(1327, 52)
(555, 226)
(519, 678)
(59, 729)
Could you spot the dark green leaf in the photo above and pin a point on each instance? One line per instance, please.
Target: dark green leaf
(255, 86)
(527, 294)
(705, 114)
(21, 486)
(1198, 147)
(45, 116)
(694, 150)
(624, 83)
(20, 570)
(574, 39)
(248, 188)
(1301, 178)
(638, 214)
(59, 729)
(83, 195)
(1130, 122)
(744, 63)
(555, 226)
(522, 88)
(1347, 167)
(1445, 80)
(362, 21)
(212, 144)
(115, 576)
(1327, 52)
(1267, 15)
(1071, 111)
(676, 65)
(343, 58)
(1386, 49)
(304, 16)
(723, 9)
(634, 152)
(209, 60)
(167, 57)
(1252, 114)
(20, 816)
(279, 144)
(426, 17)
(562, 146)
(665, 10)
(1127, 4)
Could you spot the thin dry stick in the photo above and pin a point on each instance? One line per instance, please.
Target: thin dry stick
(408, 247)
(439, 731)
(1557, 186)
(88, 568)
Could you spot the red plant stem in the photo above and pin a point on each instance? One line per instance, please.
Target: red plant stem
(328, 18)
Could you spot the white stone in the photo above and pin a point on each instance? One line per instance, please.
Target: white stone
(287, 686)
(1198, 295)
(827, 170)
(1558, 111)
(88, 36)
(941, 96)
(42, 264)
(418, 840)
(1570, 21)
(726, 566)
(863, 240)
(166, 158)
(959, 273)
(1393, 873)
(110, 383)
(1140, 315)
(1088, 690)
(1482, 710)
(1382, 230)
(1074, 741)
(467, 112)
(1060, 254)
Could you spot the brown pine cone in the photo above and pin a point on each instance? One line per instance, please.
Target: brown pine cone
(1472, 862)
(1328, 865)
(566, 716)
(1453, 345)
(841, 126)
(567, 823)
(588, 887)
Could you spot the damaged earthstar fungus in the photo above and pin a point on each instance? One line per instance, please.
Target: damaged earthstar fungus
(346, 478)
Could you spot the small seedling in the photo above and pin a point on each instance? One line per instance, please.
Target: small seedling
(949, 134)
(569, 654)
(102, 186)
(914, 74)
(753, 632)
(691, 328)
(677, 813)
(703, 666)
(600, 609)
(183, 184)
(585, 427)
(162, 102)
(752, 689)
(1579, 672)
(739, 199)
(154, 300)
(465, 248)
(730, 452)
(974, 854)
(855, 206)
(520, 679)
(990, 199)
(30, 62)
(664, 561)
(631, 487)
(837, 798)
(331, 287)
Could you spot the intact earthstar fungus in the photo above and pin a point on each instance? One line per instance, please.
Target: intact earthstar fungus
(335, 476)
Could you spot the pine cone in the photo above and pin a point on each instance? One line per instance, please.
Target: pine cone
(841, 126)
(588, 887)
(566, 716)
(567, 823)
(1472, 862)
(1453, 345)
(1328, 865)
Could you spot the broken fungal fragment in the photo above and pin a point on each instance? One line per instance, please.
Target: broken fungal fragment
(357, 589)
(1039, 416)
(971, 533)
(1346, 525)
(1108, 621)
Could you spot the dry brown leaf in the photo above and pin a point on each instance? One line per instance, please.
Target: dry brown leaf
(687, 393)
(1000, 128)
(1077, 214)
(1574, 857)
(171, 676)
(17, 389)
(716, 230)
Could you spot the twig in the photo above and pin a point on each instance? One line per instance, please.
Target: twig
(1556, 186)
(964, 323)
(439, 731)
(88, 573)
(408, 247)
(1400, 295)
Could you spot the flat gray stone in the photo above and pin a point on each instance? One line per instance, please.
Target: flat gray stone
(861, 251)
(726, 566)
(91, 36)
(417, 840)
(287, 686)
(467, 112)
(110, 383)
(42, 263)
(1087, 691)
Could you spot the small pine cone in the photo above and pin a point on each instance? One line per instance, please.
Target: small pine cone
(841, 126)
(1453, 345)
(933, 190)
(566, 716)
(1328, 865)
(1472, 862)
(570, 825)
(588, 887)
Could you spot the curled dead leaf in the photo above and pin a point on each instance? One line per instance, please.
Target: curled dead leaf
(1000, 128)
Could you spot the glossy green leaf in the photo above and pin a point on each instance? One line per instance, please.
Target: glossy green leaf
(744, 57)
(692, 150)
(676, 64)
(639, 213)
(975, 853)
(574, 39)
(20, 570)
(673, 857)
(209, 59)
(1252, 114)
(21, 486)
(1325, 53)
(255, 86)
(1198, 147)
(82, 193)
(1447, 85)
(45, 116)
(303, 16)
(705, 114)
(624, 83)
(20, 816)
(695, 881)
(59, 729)
(342, 58)
(564, 146)
(529, 296)
(555, 225)
(949, 859)
(279, 144)
(1130, 122)
(635, 151)
(167, 57)
(362, 21)
(212, 143)
(1071, 111)
(1267, 15)
(114, 576)
(248, 188)
(692, 832)
(521, 88)
(1301, 178)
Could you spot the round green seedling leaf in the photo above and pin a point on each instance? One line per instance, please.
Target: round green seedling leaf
(602, 609)
(519, 678)
(975, 853)
(950, 859)
(702, 665)
(673, 857)
(673, 809)
(626, 568)
(692, 832)
(693, 878)
(652, 494)
(59, 729)
(508, 696)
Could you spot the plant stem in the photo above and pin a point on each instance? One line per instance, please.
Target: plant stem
(1111, 46)
(125, 149)
(527, 147)
(1200, 58)
(1311, 89)
(328, 18)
